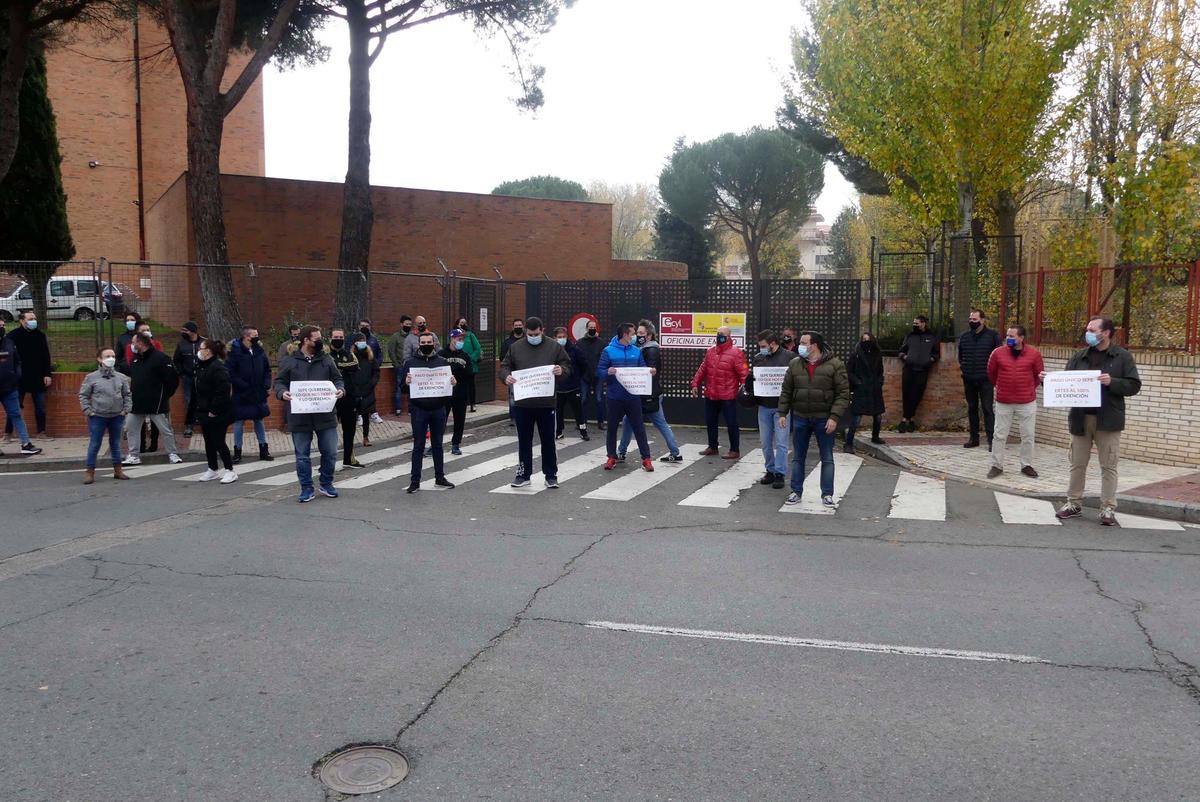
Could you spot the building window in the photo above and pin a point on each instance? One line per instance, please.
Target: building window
(822, 258)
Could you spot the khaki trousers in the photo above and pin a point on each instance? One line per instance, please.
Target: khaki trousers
(1025, 416)
(1108, 446)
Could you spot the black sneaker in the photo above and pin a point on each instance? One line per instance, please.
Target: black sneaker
(552, 482)
(671, 458)
(583, 434)
(29, 449)
(413, 487)
(560, 436)
(519, 481)
(768, 477)
(620, 457)
(994, 472)
(442, 481)
(778, 483)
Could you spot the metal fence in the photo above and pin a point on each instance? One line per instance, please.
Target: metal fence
(71, 299)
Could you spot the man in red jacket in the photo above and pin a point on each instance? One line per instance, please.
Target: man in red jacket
(722, 372)
(1014, 369)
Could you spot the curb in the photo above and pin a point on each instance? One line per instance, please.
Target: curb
(1166, 509)
(25, 464)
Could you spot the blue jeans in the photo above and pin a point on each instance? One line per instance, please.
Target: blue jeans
(803, 430)
(434, 422)
(97, 426)
(39, 410)
(774, 440)
(327, 443)
(260, 431)
(659, 419)
(592, 390)
(12, 408)
(631, 410)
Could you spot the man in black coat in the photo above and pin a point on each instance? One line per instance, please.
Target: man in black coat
(865, 372)
(920, 350)
(153, 381)
(428, 414)
(185, 365)
(34, 349)
(590, 345)
(975, 345)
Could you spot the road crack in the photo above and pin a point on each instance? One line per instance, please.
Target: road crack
(95, 558)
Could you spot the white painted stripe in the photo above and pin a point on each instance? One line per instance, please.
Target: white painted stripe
(281, 461)
(508, 461)
(138, 471)
(1127, 521)
(633, 484)
(1024, 510)
(576, 466)
(279, 480)
(814, 643)
(921, 498)
(405, 468)
(725, 489)
(845, 466)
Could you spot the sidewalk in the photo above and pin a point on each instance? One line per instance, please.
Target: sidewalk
(67, 453)
(1142, 488)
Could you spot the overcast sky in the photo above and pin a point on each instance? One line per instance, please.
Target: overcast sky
(624, 79)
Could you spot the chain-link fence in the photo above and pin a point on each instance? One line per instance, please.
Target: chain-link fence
(69, 299)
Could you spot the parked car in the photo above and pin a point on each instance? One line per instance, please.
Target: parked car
(78, 297)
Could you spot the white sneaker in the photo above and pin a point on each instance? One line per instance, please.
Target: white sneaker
(174, 459)
(375, 418)
(208, 475)
(131, 460)
(229, 478)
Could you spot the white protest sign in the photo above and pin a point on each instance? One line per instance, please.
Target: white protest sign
(1072, 388)
(768, 382)
(636, 381)
(430, 382)
(533, 383)
(310, 397)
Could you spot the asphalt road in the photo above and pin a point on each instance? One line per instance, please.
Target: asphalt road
(171, 640)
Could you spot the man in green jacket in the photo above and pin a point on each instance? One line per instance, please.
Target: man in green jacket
(816, 392)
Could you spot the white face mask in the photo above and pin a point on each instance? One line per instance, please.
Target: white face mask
(109, 362)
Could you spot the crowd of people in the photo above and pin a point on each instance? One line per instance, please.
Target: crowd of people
(128, 397)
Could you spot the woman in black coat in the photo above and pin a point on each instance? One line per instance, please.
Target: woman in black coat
(214, 408)
(865, 371)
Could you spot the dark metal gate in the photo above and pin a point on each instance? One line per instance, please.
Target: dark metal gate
(478, 302)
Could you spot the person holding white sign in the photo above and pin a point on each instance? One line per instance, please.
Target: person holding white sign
(766, 382)
(310, 363)
(652, 407)
(1100, 425)
(622, 355)
(532, 359)
(430, 383)
(1015, 369)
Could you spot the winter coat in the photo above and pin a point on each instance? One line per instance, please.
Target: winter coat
(372, 343)
(286, 347)
(780, 359)
(616, 355)
(473, 350)
(1014, 374)
(360, 375)
(434, 360)
(185, 356)
(722, 372)
(920, 350)
(865, 372)
(300, 367)
(213, 393)
(105, 393)
(508, 342)
(974, 349)
(34, 349)
(1110, 416)
(10, 367)
(569, 382)
(250, 375)
(652, 353)
(591, 347)
(123, 364)
(152, 381)
(460, 369)
(826, 394)
(395, 348)
(522, 355)
(121, 350)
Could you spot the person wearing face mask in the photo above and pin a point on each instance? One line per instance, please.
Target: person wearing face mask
(368, 380)
(105, 399)
(364, 329)
(622, 353)
(975, 346)
(518, 334)
(865, 372)
(788, 340)
(310, 363)
(721, 373)
(474, 352)
(591, 391)
(34, 350)
(1100, 426)
(919, 351)
(214, 408)
(184, 360)
(652, 407)
(250, 374)
(412, 343)
(290, 344)
(566, 388)
(455, 354)
(816, 393)
(428, 414)
(535, 351)
(132, 319)
(153, 381)
(359, 376)
(10, 379)
(771, 354)
(395, 355)
(1015, 370)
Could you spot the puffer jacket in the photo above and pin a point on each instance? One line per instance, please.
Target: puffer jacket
(825, 394)
(616, 355)
(1014, 374)
(974, 349)
(1110, 417)
(105, 394)
(213, 392)
(722, 372)
(920, 350)
(652, 353)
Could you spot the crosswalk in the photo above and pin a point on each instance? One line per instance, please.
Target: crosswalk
(696, 482)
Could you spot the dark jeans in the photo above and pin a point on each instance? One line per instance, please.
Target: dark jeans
(595, 392)
(852, 426)
(434, 422)
(714, 409)
(97, 426)
(803, 430)
(458, 408)
(630, 408)
(214, 442)
(327, 444)
(39, 410)
(527, 419)
(186, 384)
(570, 400)
(979, 393)
(471, 388)
(347, 412)
(913, 388)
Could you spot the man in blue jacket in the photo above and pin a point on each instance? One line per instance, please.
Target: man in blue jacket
(622, 353)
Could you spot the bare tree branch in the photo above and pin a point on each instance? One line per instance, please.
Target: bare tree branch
(261, 56)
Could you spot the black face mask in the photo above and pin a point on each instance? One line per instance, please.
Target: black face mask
(916, 330)
(518, 332)
(426, 349)
(318, 346)
(406, 329)
(421, 327)
(591, 332)
(336, 343)
(641, 340)
(974, 324)
(254, 341)
(366, 330)
(787, 339)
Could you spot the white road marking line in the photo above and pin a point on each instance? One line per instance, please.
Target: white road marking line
(1127, 521)
(916, 497)
(576, 466)
(814, 643)
(281, 461)
(279, 480)
(498, 464)
(722, 491)
(1024, 510)
(633, 484)
(405, 468)
(138, 471)
(845, 466)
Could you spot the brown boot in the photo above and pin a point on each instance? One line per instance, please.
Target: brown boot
(89, 476)
(733, 455)
(118, 473)
(709, 452)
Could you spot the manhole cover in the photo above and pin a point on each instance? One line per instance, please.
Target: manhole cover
(364, 770)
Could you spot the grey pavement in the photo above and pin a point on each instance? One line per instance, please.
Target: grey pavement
(171, 640)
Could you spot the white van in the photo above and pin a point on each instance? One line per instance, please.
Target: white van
(78, 297)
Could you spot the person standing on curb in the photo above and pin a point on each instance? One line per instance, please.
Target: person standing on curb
(518, 334)
(774, 438)
(816, 392)
(455, 354)
(350, 367)
(975, 347)
(10, 378)
(622, 353)
(590, 388)
(152, 383)
(474, 352)
(309, 362)
(105, 399)
(214, 408)
(185, 361)
(652, 407)
(395, 353)
(919, 351)
(1100, 425)
(534, 351)
(132, 319)
(250, 373)
(566, 388)
(428, 414)
(721, 373)
(1015, 370)
(412, 343)
(364, 328)
(286, 347)
(865, 371)
(36, 368)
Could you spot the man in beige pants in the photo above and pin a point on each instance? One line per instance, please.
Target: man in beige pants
(1101, 425)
